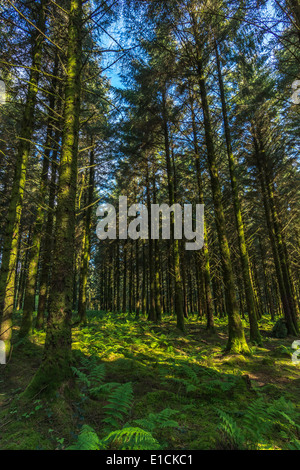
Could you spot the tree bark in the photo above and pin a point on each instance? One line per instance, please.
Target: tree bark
(56, 365)
(11, 238)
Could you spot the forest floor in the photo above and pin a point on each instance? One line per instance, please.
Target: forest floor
(165, 389)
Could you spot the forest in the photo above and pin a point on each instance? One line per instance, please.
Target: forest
(150, 226)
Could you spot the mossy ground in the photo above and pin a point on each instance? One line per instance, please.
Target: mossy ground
(188, 373)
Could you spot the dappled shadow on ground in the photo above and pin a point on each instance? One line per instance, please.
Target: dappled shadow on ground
(187, 373)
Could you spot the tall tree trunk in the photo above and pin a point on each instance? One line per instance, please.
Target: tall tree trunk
(158, 307)
(255, 336)
(47, 248)
(56, 364)
(118, 277)
(144, 288)
(82, 301)
(131, 284)
(236, 337)
(124, 303)
(11, 238)
(34, 256)
(204, 258)
(137, 280)
(174, 243)
(283, 276)
(152, 308)
(24, 271)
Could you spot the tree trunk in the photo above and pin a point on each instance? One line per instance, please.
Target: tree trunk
(11, 238)
(34, 256)
(56, 364)
(282, 273)
(47, 248)
(174, 243)
(255, 336)
(236, 337)
(82, 301)
(204, 258)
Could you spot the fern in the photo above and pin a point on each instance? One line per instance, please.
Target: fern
(258, 423)
(295, 445)
(233, 435)
(128, 438)
(97, 373)
(83, 378)
(132, 438)
(188, 377)
(104, 388)
(160, 420)
(119, 405)
(190, 373)
(87, 440)
(92, 381)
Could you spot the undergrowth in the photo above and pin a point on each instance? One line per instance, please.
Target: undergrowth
(147, 386)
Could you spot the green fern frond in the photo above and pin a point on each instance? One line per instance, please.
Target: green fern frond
(232, 432)
(160, 420)
(92, 379)
(295, 445)
(97, 373)
(103, 388)
(119, 404)
(259, 422)
(132, 438)
(83, 378)
(87, 440)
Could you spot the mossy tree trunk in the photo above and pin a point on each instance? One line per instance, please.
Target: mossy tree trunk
(158, 306)
(47, 242)
(118, 278)
(178, 300)
(56, 365)
(137, 280)
(144, 290)
(124, 295)
(245, 263)
(131, 283)
(84, 270)
(151, 254)
(38, 226)
(12, 226)
(281, 266)
(205, 266)
(236, 337)
(23, 274)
